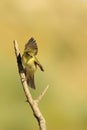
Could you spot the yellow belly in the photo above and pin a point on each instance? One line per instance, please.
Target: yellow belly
(29, 63)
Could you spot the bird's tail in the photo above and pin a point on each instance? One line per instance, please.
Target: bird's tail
(30, 81)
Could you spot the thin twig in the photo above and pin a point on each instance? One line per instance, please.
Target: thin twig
(42, 94)
(33, 103)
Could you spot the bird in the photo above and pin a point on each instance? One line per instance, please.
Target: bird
(30, 61)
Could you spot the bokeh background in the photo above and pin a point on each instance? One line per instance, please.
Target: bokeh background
(60, 28)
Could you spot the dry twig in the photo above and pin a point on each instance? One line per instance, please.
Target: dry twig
(33, 103)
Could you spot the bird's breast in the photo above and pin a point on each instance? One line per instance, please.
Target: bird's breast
(30, 65)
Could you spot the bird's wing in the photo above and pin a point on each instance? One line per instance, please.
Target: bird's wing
(38, 63)
(31, 46)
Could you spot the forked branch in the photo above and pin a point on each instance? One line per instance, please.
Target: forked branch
(33, 103)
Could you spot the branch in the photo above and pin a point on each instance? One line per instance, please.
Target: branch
(42, 94)
(33, 103)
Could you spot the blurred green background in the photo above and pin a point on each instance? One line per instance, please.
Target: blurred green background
(60, 28)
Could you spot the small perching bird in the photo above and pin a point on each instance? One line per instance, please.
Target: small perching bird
(30, 61)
